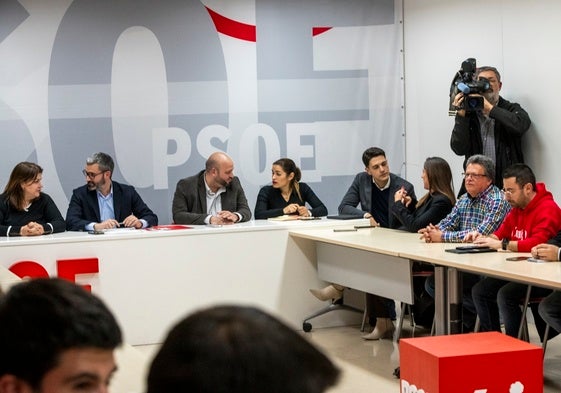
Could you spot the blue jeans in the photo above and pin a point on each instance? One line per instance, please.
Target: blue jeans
(495, 298)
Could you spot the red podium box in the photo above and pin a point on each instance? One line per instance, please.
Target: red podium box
(489, 362)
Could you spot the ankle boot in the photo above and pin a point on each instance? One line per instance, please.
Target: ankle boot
(384, 329)
(331, 292)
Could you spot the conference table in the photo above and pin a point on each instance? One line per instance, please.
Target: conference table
(379, 261)
(152, 278)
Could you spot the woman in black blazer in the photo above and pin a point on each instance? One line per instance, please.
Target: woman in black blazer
(434, 205)
(287, 195)
(24, 209)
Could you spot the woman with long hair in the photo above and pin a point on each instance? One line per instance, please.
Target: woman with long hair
(434, 205)
(287, 195)
(431, 208)
(24, 209)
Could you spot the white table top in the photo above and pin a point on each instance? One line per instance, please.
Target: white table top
(410, 246)
(190, 230)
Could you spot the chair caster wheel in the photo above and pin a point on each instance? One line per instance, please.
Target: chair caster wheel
(307, 327)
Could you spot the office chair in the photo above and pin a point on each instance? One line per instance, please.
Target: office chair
(408, 308)
(334, 306)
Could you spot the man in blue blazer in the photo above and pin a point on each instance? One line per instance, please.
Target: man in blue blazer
(213, 196)
(103, 203)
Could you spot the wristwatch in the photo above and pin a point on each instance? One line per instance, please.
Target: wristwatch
(504, 243)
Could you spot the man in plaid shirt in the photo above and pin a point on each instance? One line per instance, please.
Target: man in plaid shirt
(482, 208)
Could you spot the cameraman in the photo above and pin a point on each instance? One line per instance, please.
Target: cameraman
(494, 130)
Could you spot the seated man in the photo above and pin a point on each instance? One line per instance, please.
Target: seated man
(371, 195)
(102, 203)
(482, 209)
(213, 196)
(550, 307)
(533, 219)
(55, 337)
(238, 349)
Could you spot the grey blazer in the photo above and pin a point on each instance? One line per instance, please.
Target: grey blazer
(361, 192)
(189, 200)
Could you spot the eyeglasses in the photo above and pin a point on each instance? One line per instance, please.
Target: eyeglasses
(475, 176)
(91, 175)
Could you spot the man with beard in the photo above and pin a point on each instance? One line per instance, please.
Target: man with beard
(534, 218)
(102, 203)
(494, 131)
(213, 196)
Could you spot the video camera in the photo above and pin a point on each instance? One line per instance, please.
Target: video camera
(465, 82)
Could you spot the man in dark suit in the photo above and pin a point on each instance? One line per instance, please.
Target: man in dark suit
(103, 203)
(213, 196)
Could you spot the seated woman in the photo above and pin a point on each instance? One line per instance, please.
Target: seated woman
(24, 209)
(431, 208)
(287, 196)
(434, 205)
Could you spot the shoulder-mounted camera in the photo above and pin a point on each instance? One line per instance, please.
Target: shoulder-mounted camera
(466, 82)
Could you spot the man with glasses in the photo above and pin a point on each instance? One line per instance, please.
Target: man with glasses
(533, 219)
(213, 196)
(495, 131)
(481, 209)
(103, 203)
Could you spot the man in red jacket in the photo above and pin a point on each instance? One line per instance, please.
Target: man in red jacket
(533, 219)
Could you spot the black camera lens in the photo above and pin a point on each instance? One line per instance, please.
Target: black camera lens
(474, 103)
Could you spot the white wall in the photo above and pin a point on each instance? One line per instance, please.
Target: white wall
(520, 38)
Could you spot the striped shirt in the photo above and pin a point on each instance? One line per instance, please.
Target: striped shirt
(483, 213)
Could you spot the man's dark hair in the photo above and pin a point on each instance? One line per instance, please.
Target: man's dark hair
(370, 153)
(42, 318)
(487, 164)
(523, 174)
(233, 349)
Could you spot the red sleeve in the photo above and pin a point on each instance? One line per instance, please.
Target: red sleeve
(505, 229)
(546, 222)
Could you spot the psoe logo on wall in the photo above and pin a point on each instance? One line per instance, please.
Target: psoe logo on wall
(406, 387)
